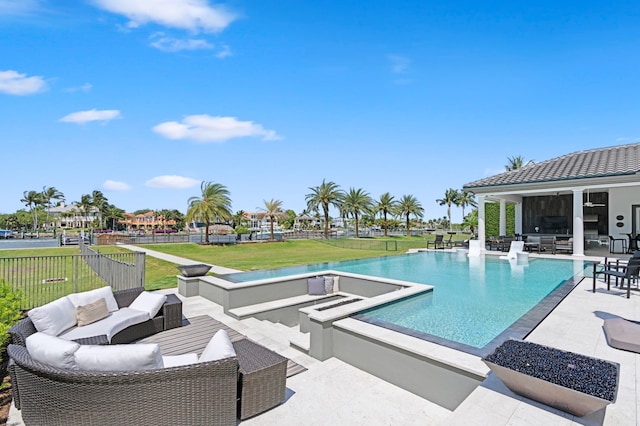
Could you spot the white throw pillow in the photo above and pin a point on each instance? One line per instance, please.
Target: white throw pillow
(54, 317)
(178, 360)
(131, 357)
(149, 302)
(336, 284)
(52, 351)
(219, 347)
(87, 297)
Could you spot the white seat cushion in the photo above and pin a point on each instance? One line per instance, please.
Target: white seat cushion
(119, 357)
(109, 326)
(87, 297)
(149, 302)
(178, 360)
(52, 350)
(219, 347)
(54, 317)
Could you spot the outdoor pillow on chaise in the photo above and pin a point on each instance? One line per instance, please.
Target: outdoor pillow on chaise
(88, 314)
(179, 360)
(86, 297)
(149, 302)
(140, 356)
(623, 334)
(219, 347)
(54, 317)
(53, 351)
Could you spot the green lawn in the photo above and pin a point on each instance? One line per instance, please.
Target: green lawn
(247, 257)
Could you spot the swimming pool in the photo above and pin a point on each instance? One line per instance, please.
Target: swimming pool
(475, 301)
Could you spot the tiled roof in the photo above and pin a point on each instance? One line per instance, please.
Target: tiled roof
(602, 162)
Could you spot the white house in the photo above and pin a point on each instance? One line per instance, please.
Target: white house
(589, 195)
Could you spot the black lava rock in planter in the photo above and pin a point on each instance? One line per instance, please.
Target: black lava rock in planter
(196, 270)
(571, 382)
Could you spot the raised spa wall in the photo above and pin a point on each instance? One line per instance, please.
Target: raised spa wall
(418, 366)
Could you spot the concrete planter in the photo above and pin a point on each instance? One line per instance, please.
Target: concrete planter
(196, 270)
(570, 382)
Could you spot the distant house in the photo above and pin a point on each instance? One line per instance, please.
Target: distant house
(146, 221)
(587, 195)
(65, 216)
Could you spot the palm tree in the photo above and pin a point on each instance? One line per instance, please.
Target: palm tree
(84, 205)
(238, 218)
(516, 163)
(409, 205)
(466, 198)
(49, 194)
(326, 195)
(114, 213)
(450, 197)
(385, 205)
(99, 201)
(272, 210)
(355, 202)
(214, 204)
(32, 200)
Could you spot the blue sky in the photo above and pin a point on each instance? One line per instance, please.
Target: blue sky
(143, 100)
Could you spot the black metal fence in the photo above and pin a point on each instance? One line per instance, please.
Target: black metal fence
(41, 279)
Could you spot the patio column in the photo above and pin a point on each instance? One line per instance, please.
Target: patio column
(578, 223)
(518, 222)
(481, 231)
(503, 218)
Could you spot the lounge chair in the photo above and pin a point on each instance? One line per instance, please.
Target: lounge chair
(475, 247)
(622, 334)
(612, 244)
(629, 272)
(437, 243)
(562, 245)
(515, 248)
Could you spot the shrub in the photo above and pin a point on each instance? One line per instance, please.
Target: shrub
(10, 312)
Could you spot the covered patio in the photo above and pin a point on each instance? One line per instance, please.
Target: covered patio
(586, 195)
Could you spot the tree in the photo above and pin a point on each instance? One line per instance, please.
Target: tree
(49, 194)
(272, 210)
(84, 205)
(385, 205)
(114, 213)
(471, 221)
(238, 219)
(516, 163)
(450, 197)
(100, 202)
(466, 198)
(355, 202)
(326, 195)
(32, 200)
(289, 219)
(214, 204)
(409, 205)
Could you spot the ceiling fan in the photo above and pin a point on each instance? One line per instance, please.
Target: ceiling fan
(588, 203)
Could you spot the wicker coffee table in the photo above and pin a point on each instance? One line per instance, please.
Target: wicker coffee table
(262, 381)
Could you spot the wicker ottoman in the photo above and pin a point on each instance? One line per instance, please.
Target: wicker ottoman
(262, 381)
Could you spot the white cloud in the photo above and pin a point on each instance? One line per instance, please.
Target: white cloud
(205, 128)
(399, 64)
(112, 185)
(19, 7)
(169, 44)
(169, 181)
(224, 52)
(14, 83)
(82, 117)
(86, 88)
(192, 15)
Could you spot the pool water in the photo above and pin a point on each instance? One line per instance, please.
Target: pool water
(473, 301)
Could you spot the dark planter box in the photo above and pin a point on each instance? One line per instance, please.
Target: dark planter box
(196, 270)
(571, 382)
